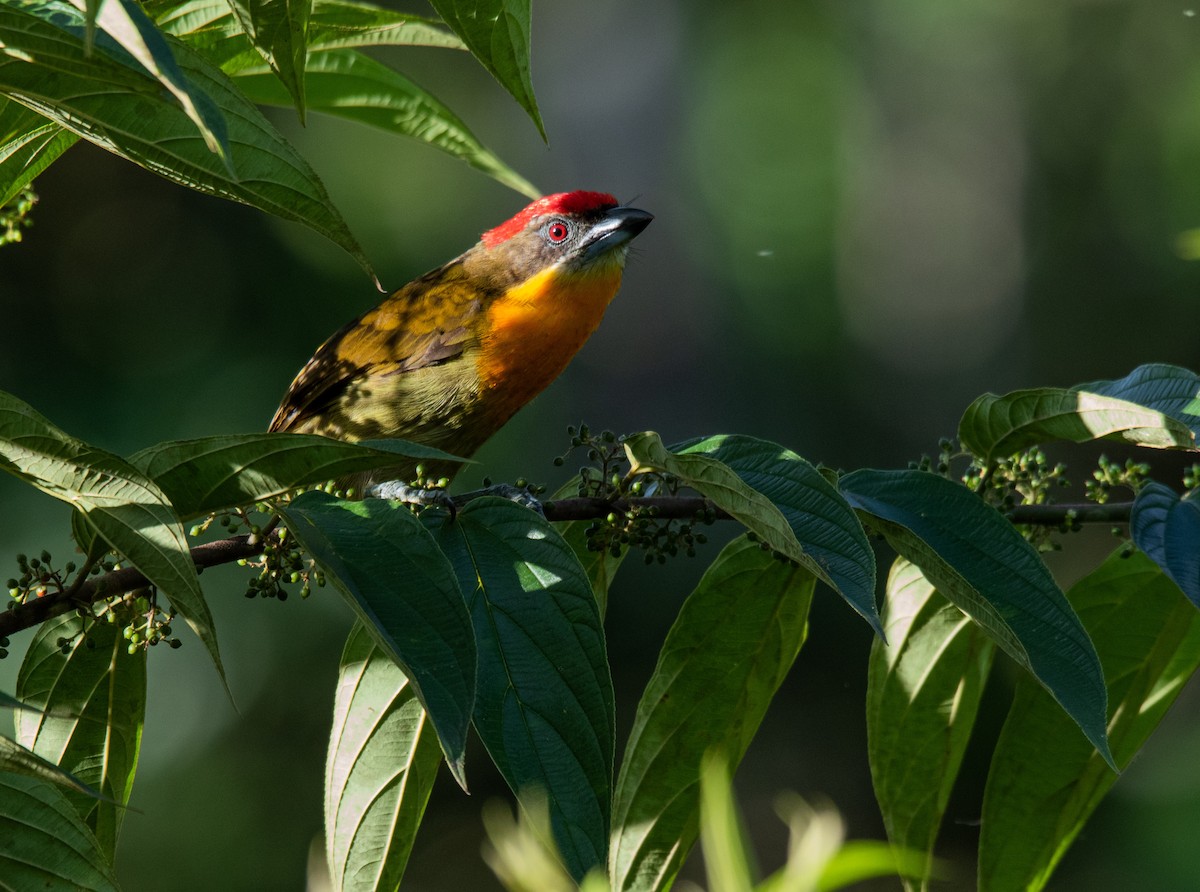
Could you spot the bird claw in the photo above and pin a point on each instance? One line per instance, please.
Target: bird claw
(518, 494)
(396, 491)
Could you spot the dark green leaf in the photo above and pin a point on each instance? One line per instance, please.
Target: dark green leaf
(17, 759)
(29, 143)
(213, 473)
(108, 98)
(726, 654)
(819, 516)
(1167, 388)
(124, 506)
(497, 34)
(279, 31)
(405, 593)
(94, 704)
(923, 692)
(1044, 781)
(126, 23)
(43, 843)
(977, 560)
(544, 707)
(1167, 528)
(383, 758)
(997, 426)
(350, 85)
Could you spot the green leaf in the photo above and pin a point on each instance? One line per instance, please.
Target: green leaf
(1167, 388)
(722, 836)
(1167, 529)
(108, 99)
(728, 651)
(93, 703)
(126, 23)
(210, 474)
(1044, 781)
(716, 481)
(820, 518)
(405, 593)
(600, 566)
(383, 758)
(341, 23)
(44, 844)
(923, 692)
(29, 143)
(998, 426)
(860, 860)
(497, 34)
(17, 759)
(977, 560)
(279, 31)
(544, 706)
(350, 85)
(125, 507)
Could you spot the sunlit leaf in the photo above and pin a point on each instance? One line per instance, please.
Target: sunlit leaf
(923, 693)
(1044, 781)
(213, 473)
(111, 101)
(497, 34)
(1169, 389)
(122, 505)
(29, 143)
(94, 704)
(44, 844)
(976, 559)
(382, 761)
(997, 426)
(722, 835)
(405, 594)
(820, 518)
(350, 85)
(278, 29)
(728, 651)
(544, 705)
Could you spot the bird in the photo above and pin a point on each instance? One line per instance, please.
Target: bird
(449, 358)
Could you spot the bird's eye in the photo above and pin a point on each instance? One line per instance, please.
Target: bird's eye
(558, 230)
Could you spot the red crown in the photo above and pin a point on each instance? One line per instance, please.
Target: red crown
(558, 203)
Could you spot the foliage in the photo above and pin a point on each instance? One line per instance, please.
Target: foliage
(490, 617)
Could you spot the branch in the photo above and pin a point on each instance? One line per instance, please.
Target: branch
(226, 551)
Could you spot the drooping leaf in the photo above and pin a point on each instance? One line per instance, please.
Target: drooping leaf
(278, 29)
(1044, 781)
(126, 23)
(93, 702)
(923, 693)
(544, 706)
(405, 594)
(108, 99)
(728, 651)
(213, 473)
(1167, 529)
(497, 34)
(718, 482)
(382, 761)
(1169, 389)
(44, 844)
(29, 143)
(977, 560)
(125, 508)
(17, 759)
(997, 426)
(819, 516)
(350, 85)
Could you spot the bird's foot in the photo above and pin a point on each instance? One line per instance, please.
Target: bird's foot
(425, 497)
(522, 495)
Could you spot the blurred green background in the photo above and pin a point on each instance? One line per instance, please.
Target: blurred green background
(867, 214)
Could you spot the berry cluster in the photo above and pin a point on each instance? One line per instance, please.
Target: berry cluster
(282, 563)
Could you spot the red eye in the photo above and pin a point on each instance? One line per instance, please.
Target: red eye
(558, 230)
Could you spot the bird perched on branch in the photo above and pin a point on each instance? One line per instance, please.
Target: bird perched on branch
(450, 357)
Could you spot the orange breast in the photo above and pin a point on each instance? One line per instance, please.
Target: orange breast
(535, 329)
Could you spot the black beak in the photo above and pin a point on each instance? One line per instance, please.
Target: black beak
(618, 226)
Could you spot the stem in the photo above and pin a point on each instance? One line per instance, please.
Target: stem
(225, 551)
